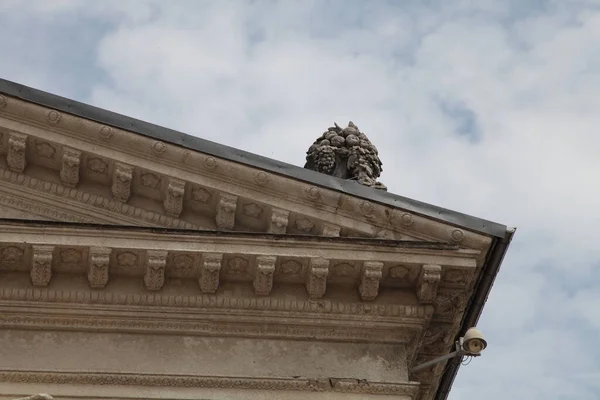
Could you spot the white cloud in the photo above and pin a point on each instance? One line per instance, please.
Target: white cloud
(268, 77)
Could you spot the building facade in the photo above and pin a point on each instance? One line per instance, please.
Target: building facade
(137, 262)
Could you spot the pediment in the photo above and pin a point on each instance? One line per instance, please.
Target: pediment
(59, 166)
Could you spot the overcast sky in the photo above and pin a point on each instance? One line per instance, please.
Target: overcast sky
(487, 107)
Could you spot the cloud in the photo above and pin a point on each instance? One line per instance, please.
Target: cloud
(485, 107)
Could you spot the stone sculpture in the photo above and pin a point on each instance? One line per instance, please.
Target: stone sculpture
(348, 154)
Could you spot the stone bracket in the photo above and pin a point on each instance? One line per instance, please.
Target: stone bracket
(174, 197)
(226, 211)
(279, 221)
(209, 272)
(70, 165)
(263, 280)
(99, 260)
(41, 265)
(156, 262)
(427, 285)
(15, 158)
(121, 183)
(371, 276)
(316, 281)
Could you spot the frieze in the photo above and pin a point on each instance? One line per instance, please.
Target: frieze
(409, 389)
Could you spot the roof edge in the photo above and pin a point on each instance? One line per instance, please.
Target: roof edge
(157, 132)
(475, 307)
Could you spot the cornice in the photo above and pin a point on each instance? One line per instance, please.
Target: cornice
(196, 168)
(409, 389)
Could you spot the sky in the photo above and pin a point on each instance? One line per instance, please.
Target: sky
(486, 107)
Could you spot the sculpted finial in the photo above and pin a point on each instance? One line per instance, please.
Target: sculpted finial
(346, 153)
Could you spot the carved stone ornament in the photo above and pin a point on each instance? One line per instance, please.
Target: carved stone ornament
(99, 259)
(69, 170)
(3, 101)
(45, 150)
(209, 272)
(346, 153)
(252, 210)
(121, 184)
(53, 117)
(154, 277)
(279, 220)
(316, 280)
(428, 282)
(263, 280)
(15, 157)
(106, 133)
(369, 283)
(304, 225)
(174, 197)
(201, 195)
(158, 148)
(331, 230)
(262, 178)
(226, 212)
(41, 265)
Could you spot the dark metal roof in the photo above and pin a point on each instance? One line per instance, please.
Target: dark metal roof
(229, 153)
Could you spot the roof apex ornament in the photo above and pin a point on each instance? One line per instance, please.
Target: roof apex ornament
(346, 153)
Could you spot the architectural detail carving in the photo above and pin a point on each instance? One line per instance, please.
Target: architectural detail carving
(83, 197)
(53, 117)
(313, 193)
(183, 265)
(316, 280)
(401, 218)
(262, 178)
(399, 272)
(44, 149)
(97, 165)
(200, 194)
(331, 230)
(174, 198)
(457, 235)
(371, 276)
(15, 158)
(304, 225)
(106, 133)
(385, 234)
(156, 262)
(291, 267)
(148, 179)
(252, 210)
(10, 256)
(237, 266)
(458, 276)
(158, 148)
(194, 381)
(3, 101)
(437, 338)
(279, 220)
(127, 259)
(70, 256)
(99, 260)
(210, 163)
(347, 154)
(428, 282)
(343, 270)
(263, 280)
(449, 303)
(226, 211)
(41, 265)
(209, 272)
(69, 170)
(367, 208)
(121, 182)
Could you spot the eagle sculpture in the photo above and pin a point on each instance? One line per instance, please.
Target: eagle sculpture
(348, 154)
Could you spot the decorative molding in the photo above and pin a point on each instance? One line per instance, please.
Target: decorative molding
(99, 260)
(409, 389)
(429, 280)
(226, 212)
(369, 282)
(41, 265)
(3, 101)
(304, 225)
(279, 221)
(262, 178)
(158, 148)
(331, 230)
(106, 133)
(121, 182)
(53, 117)
(209, 272)
(263, 279)
(15, 158)
(316, 280)
(70, 166)
(252, 210)
(174, 197)
(156, 262)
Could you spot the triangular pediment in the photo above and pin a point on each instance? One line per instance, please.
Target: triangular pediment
(57, 165)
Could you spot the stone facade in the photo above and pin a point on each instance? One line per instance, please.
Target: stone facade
(215, 279)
